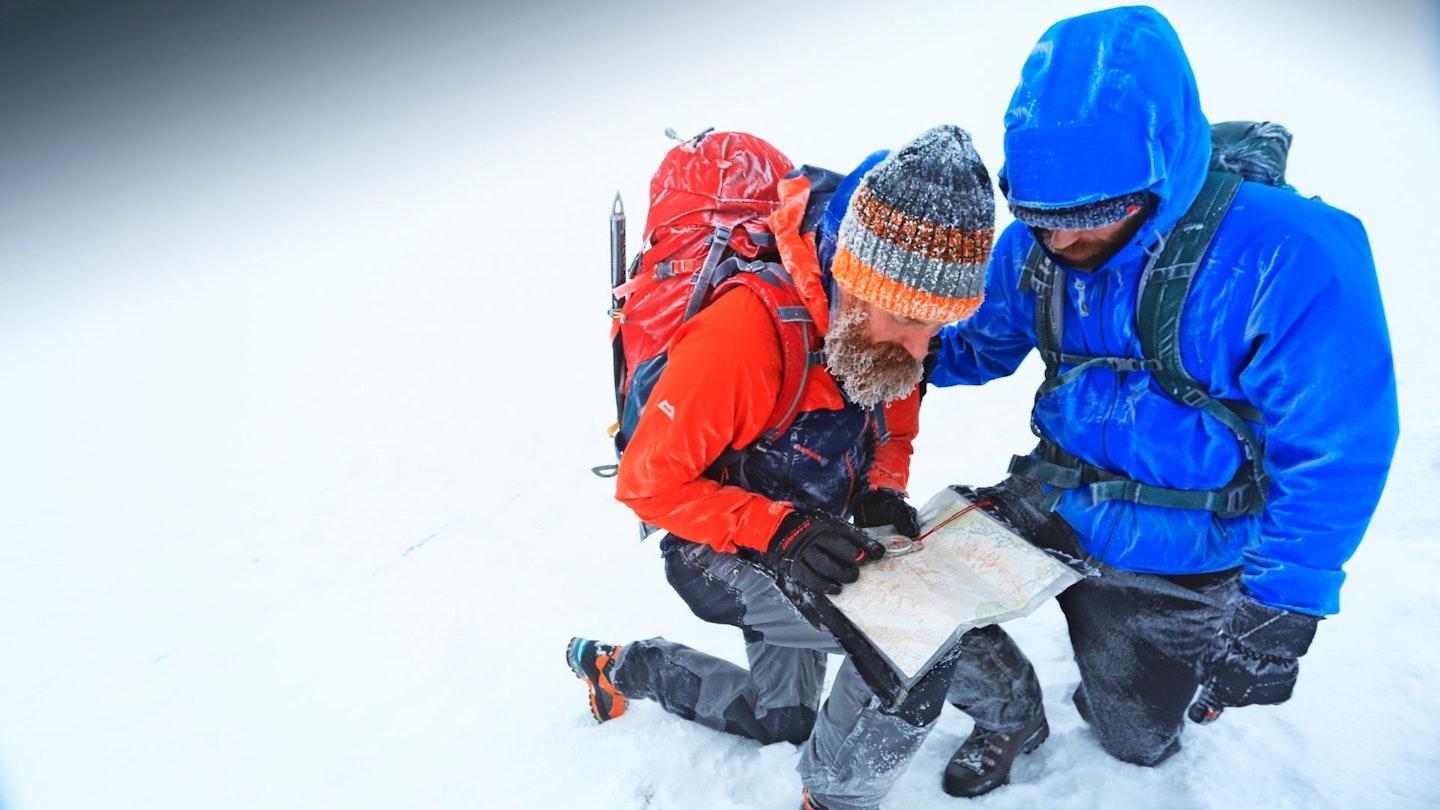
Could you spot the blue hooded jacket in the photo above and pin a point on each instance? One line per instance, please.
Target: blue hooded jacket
(1284, 313)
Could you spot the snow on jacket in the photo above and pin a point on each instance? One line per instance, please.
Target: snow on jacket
(1284, 313)
(718, 389)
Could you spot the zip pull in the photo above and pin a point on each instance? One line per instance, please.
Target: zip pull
(1080, 298)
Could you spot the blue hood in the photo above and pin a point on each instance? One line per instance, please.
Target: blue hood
(1081, 129)
(1284, 312)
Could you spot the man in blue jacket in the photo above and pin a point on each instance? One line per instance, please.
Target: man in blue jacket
(1106, 148)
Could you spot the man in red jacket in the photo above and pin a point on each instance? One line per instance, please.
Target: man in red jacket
(909, 256)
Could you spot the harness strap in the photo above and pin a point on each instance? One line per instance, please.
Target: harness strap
(1054, 466)
(1164, 289)
(1044, 277)
(1234, 499)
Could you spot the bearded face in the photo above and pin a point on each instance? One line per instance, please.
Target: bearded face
(870, 371)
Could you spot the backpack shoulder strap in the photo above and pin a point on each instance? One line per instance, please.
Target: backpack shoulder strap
(1166, 285)
(799, 340)
(1164, 288)
(1041, 276)
(719, 243)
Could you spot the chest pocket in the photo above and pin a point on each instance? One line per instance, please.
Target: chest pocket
(820, 462)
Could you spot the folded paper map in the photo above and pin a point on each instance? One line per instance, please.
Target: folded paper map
(909, 609)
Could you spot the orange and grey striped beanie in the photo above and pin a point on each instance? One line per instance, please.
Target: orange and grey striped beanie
(917, 234)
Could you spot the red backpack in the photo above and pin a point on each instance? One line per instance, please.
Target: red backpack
(706, 232)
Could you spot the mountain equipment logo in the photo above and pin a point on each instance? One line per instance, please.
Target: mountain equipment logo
(666, 408)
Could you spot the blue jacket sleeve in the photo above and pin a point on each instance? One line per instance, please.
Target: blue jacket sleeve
(1322, 373)
(996, 339)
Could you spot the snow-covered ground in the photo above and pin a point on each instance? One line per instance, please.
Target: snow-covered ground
(303, 347)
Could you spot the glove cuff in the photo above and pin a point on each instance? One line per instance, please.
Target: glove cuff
(1272, 631)
(790, 528)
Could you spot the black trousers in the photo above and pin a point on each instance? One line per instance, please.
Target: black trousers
(1141, 643)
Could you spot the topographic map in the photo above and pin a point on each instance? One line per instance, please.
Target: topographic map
(968, 572)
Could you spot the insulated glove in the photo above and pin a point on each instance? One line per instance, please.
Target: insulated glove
(1258, 659)
(815, 551)
(886, 507)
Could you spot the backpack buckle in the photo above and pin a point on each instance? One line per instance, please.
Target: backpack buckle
(1236, 500)
(1194, 397)
(1244, 499)
(1129, 363)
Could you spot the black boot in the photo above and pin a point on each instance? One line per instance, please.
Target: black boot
(982, 763)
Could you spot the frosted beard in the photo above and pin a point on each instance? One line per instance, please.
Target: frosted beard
(870, 372)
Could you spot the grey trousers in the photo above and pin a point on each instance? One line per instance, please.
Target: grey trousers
(853, 747)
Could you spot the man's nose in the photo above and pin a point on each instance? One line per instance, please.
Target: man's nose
(1059, 240)
(917, 342)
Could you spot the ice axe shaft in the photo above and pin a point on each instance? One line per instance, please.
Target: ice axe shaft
(617, 278)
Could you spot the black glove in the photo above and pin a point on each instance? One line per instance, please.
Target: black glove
(886, 507)
(814, 551)
(1258, 659)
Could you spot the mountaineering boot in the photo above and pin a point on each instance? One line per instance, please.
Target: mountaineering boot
(982, 763)
(591, 662)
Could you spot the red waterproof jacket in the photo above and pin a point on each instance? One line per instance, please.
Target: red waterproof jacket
(718, 389)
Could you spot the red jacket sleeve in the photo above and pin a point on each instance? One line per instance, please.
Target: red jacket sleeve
(719, 386)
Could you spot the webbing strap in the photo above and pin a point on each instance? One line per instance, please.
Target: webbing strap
(761, 239)
(1235, 499)
(719, 241)
(1046, 472)
(1043, 277)
(1063, 471)
(1163, 290)
(1164, 286)
(1087, 363)
(799, 343)
(882, 429)
(793, 314)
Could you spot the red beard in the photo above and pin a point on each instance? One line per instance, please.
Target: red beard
(870, 372)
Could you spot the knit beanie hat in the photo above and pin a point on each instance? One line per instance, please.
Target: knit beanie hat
(1082, 217)
(917, 234)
